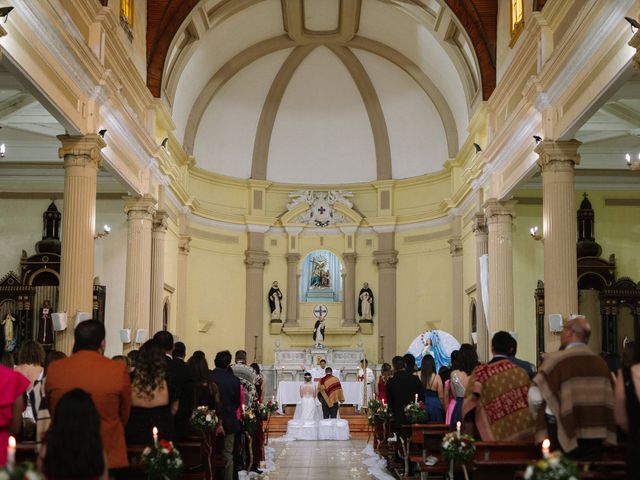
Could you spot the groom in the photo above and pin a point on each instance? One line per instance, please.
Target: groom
(330, 394)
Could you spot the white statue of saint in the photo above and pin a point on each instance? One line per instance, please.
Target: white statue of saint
(9, 334)
(365, 305)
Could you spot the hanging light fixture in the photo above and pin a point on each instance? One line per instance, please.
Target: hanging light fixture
(635, 166)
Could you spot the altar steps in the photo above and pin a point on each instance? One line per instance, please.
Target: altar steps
(358, 425)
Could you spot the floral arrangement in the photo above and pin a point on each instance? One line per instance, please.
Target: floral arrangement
(555, 466)
(374, 405)
(265, 410)
(415, 413)
(249, 420)
(162, 461)
(379, 409)
(22, 471)
(203, 418)
(458, 448)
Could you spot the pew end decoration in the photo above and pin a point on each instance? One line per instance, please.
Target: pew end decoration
(204, 419)
(162, 461)
(21, 471)
(554, 466)
(458, 449)
(265, 410)
(415, 413)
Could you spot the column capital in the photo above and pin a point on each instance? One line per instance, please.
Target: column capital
(385, 258)
(455, 247)
(184, 243)
(142, 207)
(292, 257)
(256, 258)
(160, 224)
(479, 226)
(81, 150)
(350, 257)
(635, 43)
(554, 155)
(496, 211)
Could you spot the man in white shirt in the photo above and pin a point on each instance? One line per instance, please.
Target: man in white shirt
(365, 373)
(318, 371)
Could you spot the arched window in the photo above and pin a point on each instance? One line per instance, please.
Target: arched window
(126, 12)
(517, 20)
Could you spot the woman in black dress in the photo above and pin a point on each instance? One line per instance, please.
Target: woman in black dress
(206, 391)
(149, 398)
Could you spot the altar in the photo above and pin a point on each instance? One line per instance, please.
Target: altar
(289, 393)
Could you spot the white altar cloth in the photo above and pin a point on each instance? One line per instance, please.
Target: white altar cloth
(289, 393)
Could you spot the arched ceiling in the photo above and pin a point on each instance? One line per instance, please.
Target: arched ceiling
(321, 92)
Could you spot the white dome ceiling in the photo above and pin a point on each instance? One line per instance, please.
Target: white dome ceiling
(258, 94)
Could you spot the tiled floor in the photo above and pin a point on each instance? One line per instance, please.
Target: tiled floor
(320, 460)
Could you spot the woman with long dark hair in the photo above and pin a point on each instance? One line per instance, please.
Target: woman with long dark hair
(73, 449)
(206, 391)
(149, 398)
(627, 409)
(467, 360)
(433, 391)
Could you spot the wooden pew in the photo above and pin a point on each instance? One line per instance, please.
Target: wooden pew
(191, 454)
(26, 452)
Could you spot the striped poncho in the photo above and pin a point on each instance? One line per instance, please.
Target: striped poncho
(331, 390)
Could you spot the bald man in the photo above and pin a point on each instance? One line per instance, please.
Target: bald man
(572, 395)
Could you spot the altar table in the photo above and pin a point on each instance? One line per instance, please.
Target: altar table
(289, 393)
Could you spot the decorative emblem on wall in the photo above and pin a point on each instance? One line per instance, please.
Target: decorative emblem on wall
(321, 212)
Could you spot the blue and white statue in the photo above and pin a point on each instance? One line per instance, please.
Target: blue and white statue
(437, 343)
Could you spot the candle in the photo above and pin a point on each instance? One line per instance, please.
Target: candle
(155, 436)
(458, 425)
(11, 453)
(416, 401)
(273, 398)
(545, 448)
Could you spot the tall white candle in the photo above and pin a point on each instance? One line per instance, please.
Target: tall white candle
(458, 425)
(546, 444)
(416, 401)
(155, 436)
(11, 453)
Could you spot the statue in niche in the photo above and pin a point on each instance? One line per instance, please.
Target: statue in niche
(365, 303)
(275, 301)
(9, 332)
(320, 277)
(318, 333)
(45, 326)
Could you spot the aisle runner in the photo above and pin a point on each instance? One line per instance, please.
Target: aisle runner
(377, 465)
(269, 466)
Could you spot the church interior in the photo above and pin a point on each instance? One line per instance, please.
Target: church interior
(228, 145)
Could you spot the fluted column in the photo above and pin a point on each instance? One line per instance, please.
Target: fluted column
(457, 287)
(500, 222)
(291, 318)
(349, 289)
(81, 161)
(184, 242)
(137, 289)
(557, 163)
(255, 258)
(158, 232)
(386, 259)
(482, 248)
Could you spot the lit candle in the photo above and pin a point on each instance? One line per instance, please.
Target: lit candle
(383, 402)
(545, 448)
(11, 453)
(273, 398)
(155, 436)
(458, 425)
(416, 401)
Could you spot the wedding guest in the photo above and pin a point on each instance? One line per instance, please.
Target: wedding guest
(627, 408)
(30, 363)
(449, 394)
(459, 378)
(6, 359)
(258, 444)
(205, 392)
(164, 340)
(513, 350)
(572, 395)
(12, 388)
(132, 356)
(496, 396)
(229, 388)
(43, 417)
(107, 381)
(402, 389)
(124, 359)
(330, 394)
(149, 398)
(185, 402)
(433, 390)
(381, 386)
(73, 448)
(259, 382)
(410, 363)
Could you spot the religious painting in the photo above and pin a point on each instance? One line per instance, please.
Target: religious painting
(321, 277)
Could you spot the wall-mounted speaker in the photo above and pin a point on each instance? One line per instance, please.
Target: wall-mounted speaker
(555, 322)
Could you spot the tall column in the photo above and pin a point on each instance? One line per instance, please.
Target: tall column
(500, 222)
(291, 318)
(255, 258)
(184, 242)
(81, 161)
(457, 288)
(349, 289)
(557, 163)
(137, 289)
(386, 259)
(482, 248)
(158, 232)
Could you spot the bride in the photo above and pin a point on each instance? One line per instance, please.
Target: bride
(307, 409)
